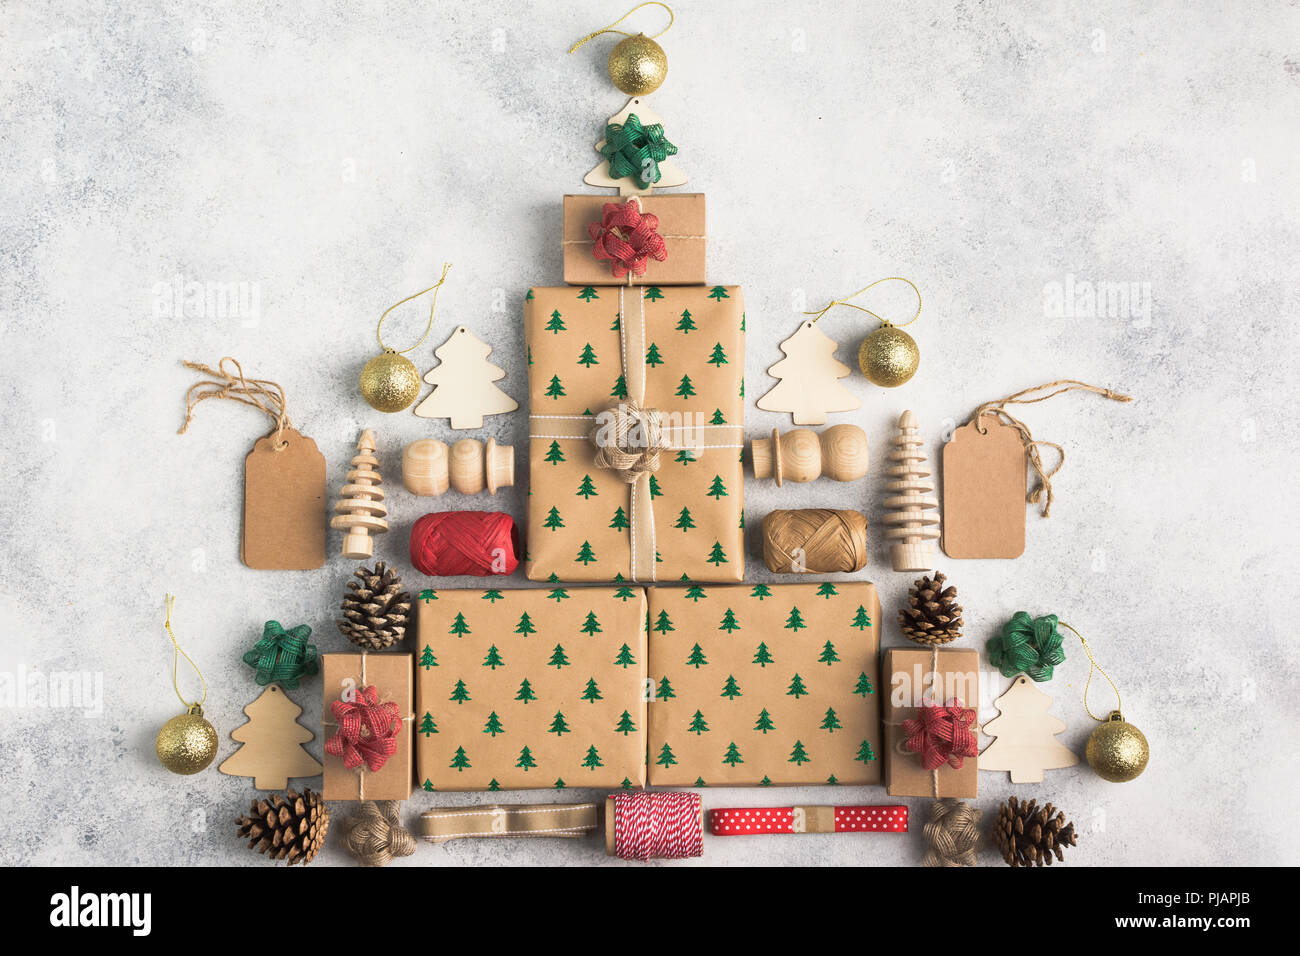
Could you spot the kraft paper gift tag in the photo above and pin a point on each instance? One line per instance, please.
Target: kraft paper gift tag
(984, 488)
(284, 475)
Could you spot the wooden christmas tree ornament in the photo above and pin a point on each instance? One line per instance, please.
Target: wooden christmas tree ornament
(839, 453)
(809, 374)
(361, 509)
(912, 521)
(1026, 743)
(462, 383)
(428, 469)
(639, 118)
(273, 739)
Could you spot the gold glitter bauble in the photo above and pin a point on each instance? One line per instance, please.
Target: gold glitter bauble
(1117, 750)
(638, 65)
(888, 356)
(389, 382)
(187, 743)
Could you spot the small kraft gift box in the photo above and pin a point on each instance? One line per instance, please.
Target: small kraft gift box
(655, 240)
(367, 720)
(764, 685)
(664, 369)
(530, 688)
(931, 742)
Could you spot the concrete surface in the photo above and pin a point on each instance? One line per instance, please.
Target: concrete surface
(329, 157)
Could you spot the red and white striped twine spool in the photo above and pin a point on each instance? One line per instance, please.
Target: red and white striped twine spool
(657, 826)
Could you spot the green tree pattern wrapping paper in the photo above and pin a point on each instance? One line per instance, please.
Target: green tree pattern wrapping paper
(582, 519)
(770, 685)
(530, 689)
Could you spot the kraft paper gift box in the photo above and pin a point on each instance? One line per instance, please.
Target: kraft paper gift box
(677, 350)
(936, 677)
(764, 685)
(343, 676)
(529, 689)
(681, 225)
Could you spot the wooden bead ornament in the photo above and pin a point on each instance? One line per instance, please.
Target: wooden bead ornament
(912, 519)
(361, 509)
(428, 469)
(814, 540)
(839, 453)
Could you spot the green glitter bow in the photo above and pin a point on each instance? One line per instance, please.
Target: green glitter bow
(635, 150)
(283, 656)
(1027, 645)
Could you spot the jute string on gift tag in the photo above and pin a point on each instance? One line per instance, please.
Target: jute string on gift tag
(984, 479)
(638, 435)
(284, 474)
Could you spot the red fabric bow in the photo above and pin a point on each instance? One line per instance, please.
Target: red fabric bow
(627, 237)
(941, 735)
(367, 730)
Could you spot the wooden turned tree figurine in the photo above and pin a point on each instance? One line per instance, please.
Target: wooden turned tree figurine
(428, 469)
(361, 509)
(839, 453)
(912, 517)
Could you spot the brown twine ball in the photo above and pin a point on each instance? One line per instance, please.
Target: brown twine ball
(628, 440)
(951, 833)
(818, 540)
(374, 835)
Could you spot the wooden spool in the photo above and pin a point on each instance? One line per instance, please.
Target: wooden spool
(814, 540)
(839, 453)
(428, 469)
(912, 519)
(361, 509)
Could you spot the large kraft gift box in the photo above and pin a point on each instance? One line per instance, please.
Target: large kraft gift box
(532, 688)
(765, 685)
(681, 226)
(344, 676)
(934, 677)
(678, 350)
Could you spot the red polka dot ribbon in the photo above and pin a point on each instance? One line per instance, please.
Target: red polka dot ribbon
(748, 821)
(627, 238)
(941, 735)
(367, 730)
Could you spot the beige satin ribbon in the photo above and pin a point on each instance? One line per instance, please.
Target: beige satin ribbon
(632, 342)
(520, 820)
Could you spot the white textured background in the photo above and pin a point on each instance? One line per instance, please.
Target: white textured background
(332, 155)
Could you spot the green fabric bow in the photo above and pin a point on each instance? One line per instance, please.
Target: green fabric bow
(283, 656)
(1027, 645)
(635, 150)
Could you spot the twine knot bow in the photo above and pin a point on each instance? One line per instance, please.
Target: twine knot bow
(636, 150)
(628, 440)
(627, 238)
(1027, 645)
(367, 730)
(941, 735)
(283, 656)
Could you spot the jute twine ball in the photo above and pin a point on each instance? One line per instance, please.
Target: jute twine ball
(951, 833)
(374, 835)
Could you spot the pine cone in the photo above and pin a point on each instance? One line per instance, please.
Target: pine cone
(1028, 836)
(374, 609)
(289, 827)
(933, 615)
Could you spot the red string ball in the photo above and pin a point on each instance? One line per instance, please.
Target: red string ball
(478, 543)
